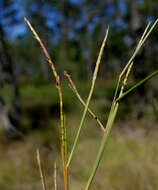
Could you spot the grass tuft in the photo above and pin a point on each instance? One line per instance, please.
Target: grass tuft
(118, 95)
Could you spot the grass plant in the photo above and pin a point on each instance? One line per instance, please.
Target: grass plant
(119, 94)
(41, 170)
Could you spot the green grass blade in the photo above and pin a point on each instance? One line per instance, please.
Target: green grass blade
(152, 27)
(65, 139)
(103, 142)
(111, 119)
(115, 105)
(138, 84)
(141, 42)
(89, 96)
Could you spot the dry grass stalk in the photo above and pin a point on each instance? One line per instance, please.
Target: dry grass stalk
(55, 176)
(114, 108)
(60, 98)
(40, 169)
(81, 100)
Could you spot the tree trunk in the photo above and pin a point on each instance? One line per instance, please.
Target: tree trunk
(8, 66)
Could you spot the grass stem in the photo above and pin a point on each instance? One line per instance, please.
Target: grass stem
(89, 96)
(82, 101)
(115, 105)
(55, 176)
(40, 169)
(137, 85)
(60, 99)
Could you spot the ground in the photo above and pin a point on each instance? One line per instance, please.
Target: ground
(130, 159)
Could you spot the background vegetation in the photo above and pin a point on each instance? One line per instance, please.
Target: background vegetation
(73, 30)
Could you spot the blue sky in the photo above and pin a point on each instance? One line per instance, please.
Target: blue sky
(20, 28)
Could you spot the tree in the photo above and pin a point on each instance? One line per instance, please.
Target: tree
(9, 70)
(37, 11)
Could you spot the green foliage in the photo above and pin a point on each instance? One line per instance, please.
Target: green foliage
(69, 28)
(80, 36)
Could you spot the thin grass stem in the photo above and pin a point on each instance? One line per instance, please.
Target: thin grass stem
(65, 139)
(150, 30)
(55, 176)
(60, 99)
(89, 96)
(73, 87)
(111, 119)
(146, 33)
(40, 170)
(103, 142)
(114, 108)
(138, 84)
(125, 79)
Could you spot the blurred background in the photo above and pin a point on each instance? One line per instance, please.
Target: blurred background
(72, 31)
